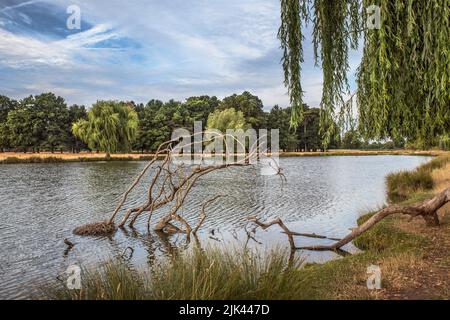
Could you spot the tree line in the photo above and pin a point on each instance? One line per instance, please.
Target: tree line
(46, 123)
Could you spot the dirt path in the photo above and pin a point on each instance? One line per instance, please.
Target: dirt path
(429, 277)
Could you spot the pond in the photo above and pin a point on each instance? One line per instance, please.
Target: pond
(40, 205)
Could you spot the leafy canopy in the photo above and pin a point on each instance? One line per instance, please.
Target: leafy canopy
(227, 119)
(111, 127)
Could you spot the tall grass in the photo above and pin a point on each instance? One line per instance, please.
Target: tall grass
(401, 185)
(210, 274)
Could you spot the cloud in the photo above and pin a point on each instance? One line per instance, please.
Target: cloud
(147, 49)
(19, 5)
(18, 51)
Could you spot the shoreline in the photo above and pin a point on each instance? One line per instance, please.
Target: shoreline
(414, 260)
(414, 257)
(47, 157)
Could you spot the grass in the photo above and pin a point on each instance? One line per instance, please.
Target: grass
(198, 275)
(403, 184)
(46, 157)
(441, 177)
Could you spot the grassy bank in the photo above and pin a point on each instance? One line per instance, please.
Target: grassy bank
(45, 157)
(414, 261)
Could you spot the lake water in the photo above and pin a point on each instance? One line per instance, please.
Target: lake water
(40, 205)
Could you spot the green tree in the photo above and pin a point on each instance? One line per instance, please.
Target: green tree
(152, 129)
(20, 128)
(51, 118)
(6, 105)
(111, 127)
(227, 119)
(352, 140)
(308, 132)
(278, 118)
(38, 122)
(4, 137)
(199, 108)
(251, 107)
(157, 120)
(76, 113)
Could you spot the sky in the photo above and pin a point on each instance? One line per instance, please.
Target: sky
(137, 50)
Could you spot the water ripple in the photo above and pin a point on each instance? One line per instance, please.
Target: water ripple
(41, 203)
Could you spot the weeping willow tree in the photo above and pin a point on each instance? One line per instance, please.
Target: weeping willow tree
(403, 79)
(111, 127)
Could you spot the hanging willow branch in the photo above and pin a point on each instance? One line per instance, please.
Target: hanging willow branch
(293, 12)
(403, 79)
(404, 76)
(336, 26)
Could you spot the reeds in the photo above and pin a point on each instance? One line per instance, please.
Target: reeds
(200, 274)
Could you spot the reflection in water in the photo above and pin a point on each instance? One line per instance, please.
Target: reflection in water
(40, 205)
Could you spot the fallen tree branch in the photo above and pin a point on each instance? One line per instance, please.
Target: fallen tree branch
(313, 235)
(277, 221)
(288, 232)
(426, 209)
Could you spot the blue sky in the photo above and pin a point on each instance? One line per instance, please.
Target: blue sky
(148, 49)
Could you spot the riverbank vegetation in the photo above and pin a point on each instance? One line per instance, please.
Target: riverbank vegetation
(198, 275)
(401, 185)
(48, 157)
(44, 123)
(414, 259)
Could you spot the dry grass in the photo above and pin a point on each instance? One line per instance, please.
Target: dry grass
(102, 228)
(406, 184)
(20, 157)
(441, 178)
(67, 156)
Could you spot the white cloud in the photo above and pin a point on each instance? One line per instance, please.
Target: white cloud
(18, 51)
(186, 48)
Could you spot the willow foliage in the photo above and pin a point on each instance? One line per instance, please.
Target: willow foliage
(111, 127)
(403, 79)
